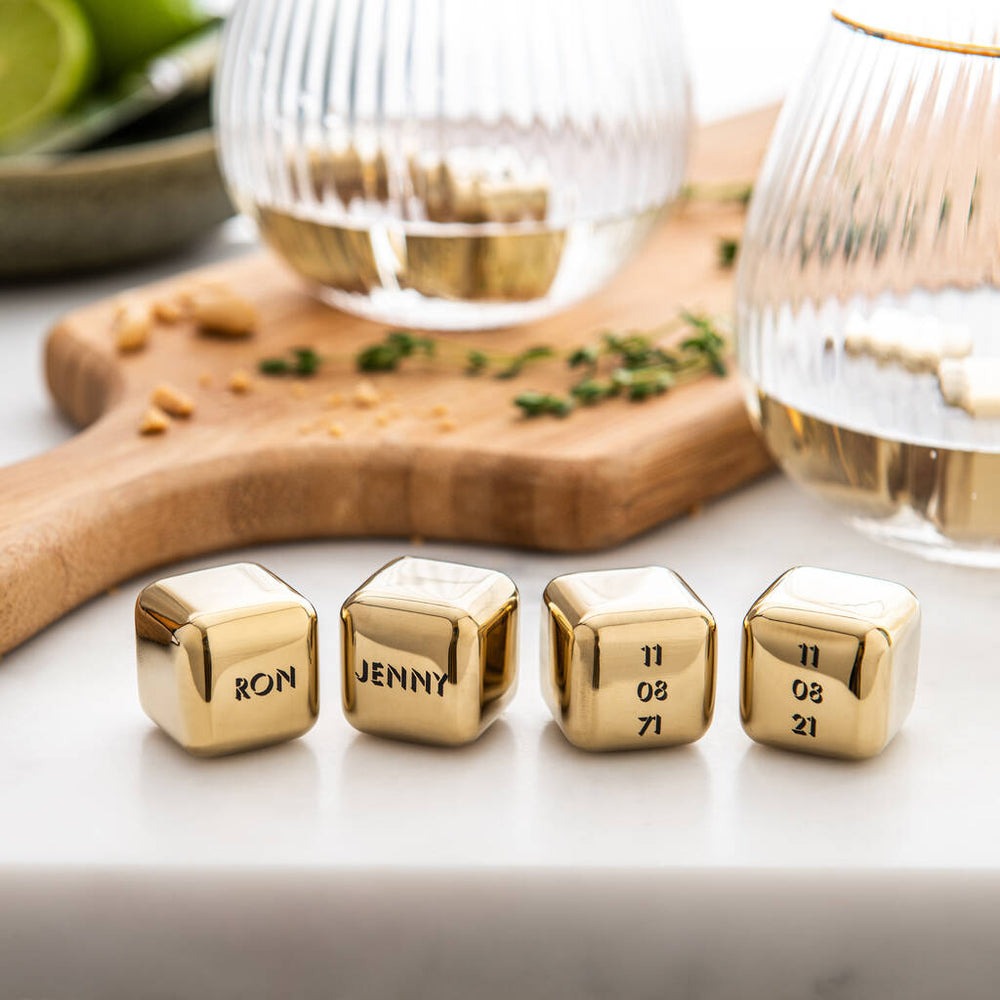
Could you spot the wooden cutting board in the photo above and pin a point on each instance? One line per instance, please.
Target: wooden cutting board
(245, 469)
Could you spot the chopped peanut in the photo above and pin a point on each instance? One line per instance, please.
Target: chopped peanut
(440, 410)
(239, 381)
(167, 311)
(154, 421)
(383, 420)
(335, 399)
(205, 379)
(131, 327)
(366, 395)
(171, 400)
(336, 430)
(447, 426)
(218, 309)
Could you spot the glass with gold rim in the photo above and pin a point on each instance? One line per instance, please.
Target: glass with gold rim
(868, 306)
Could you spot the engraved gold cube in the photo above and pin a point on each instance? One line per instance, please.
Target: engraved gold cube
(628, 659)
(227, 659)
(829, 663)
(429, 651)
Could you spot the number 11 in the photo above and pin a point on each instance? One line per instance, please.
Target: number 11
(805, 654)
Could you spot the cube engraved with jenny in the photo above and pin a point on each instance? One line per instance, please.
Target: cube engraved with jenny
(829, 663)
(429, 650)
(227, 659)
(628, 659)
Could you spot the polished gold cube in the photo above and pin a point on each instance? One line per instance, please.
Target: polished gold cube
(829, 663)
(429, 651)
(628, 659)
(227, 659)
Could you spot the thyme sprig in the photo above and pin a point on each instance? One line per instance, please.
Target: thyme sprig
(633, 364)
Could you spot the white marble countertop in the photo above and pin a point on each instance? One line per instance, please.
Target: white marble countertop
(341, 865)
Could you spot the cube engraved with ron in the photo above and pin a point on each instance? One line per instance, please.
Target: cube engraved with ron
(829, 663)
(628, 659)
(429, 650)
(227, 659)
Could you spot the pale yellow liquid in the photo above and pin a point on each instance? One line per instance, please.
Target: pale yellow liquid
(900, 491)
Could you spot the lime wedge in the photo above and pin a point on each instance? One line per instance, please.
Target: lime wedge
(128, 32)
(47, 60)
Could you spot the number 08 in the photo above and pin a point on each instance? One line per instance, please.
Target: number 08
(801, 690)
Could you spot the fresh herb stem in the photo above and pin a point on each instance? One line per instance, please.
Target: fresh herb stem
(634, 364)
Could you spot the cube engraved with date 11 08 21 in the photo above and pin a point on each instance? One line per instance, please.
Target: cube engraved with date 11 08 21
(829, 663)
(628, 659)
(429, 650)
(227, 659)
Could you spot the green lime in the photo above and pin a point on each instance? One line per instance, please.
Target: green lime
(128, 32)
(47, 60)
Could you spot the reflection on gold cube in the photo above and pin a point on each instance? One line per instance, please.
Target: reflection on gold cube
(829, 663)
(430, 651)
(227, 659)
(628, 659)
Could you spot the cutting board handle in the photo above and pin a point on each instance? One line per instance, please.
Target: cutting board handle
(55, 515)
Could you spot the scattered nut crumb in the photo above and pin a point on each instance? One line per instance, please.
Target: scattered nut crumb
(335, 399)
(131, 327)
(447, 426)
(171, 400)
(383, 420)
(695, 510)
(366, 395)
(440, 410)
(154, 421)
(167, 311)
(205, 379)
(239, 381)
(299, 391)
(113, 589)
(336, 430)
(416, 540)
(218, 309)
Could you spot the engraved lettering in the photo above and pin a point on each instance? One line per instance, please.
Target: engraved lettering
(255, 686)
(406, 679)
(263, 683)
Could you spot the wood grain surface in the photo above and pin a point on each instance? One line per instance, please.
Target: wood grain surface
(263, 466)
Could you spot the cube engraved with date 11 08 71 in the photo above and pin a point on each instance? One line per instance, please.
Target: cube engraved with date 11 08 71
(227, 659)
(430, 651)
(628, 659)
(829, 663)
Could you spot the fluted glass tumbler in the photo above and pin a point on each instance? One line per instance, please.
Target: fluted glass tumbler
(453, 164)
(868, 304)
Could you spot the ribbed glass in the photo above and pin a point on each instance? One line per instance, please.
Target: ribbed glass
(868, 310)
(453, 163)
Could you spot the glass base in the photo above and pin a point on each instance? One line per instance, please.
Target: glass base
(409, 309)
(912, 533)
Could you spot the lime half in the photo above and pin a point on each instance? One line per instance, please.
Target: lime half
(47, 60)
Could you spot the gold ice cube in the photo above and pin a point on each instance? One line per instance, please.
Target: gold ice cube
(628, 659)
(429, 651)
(227, 659)
(829, 663)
